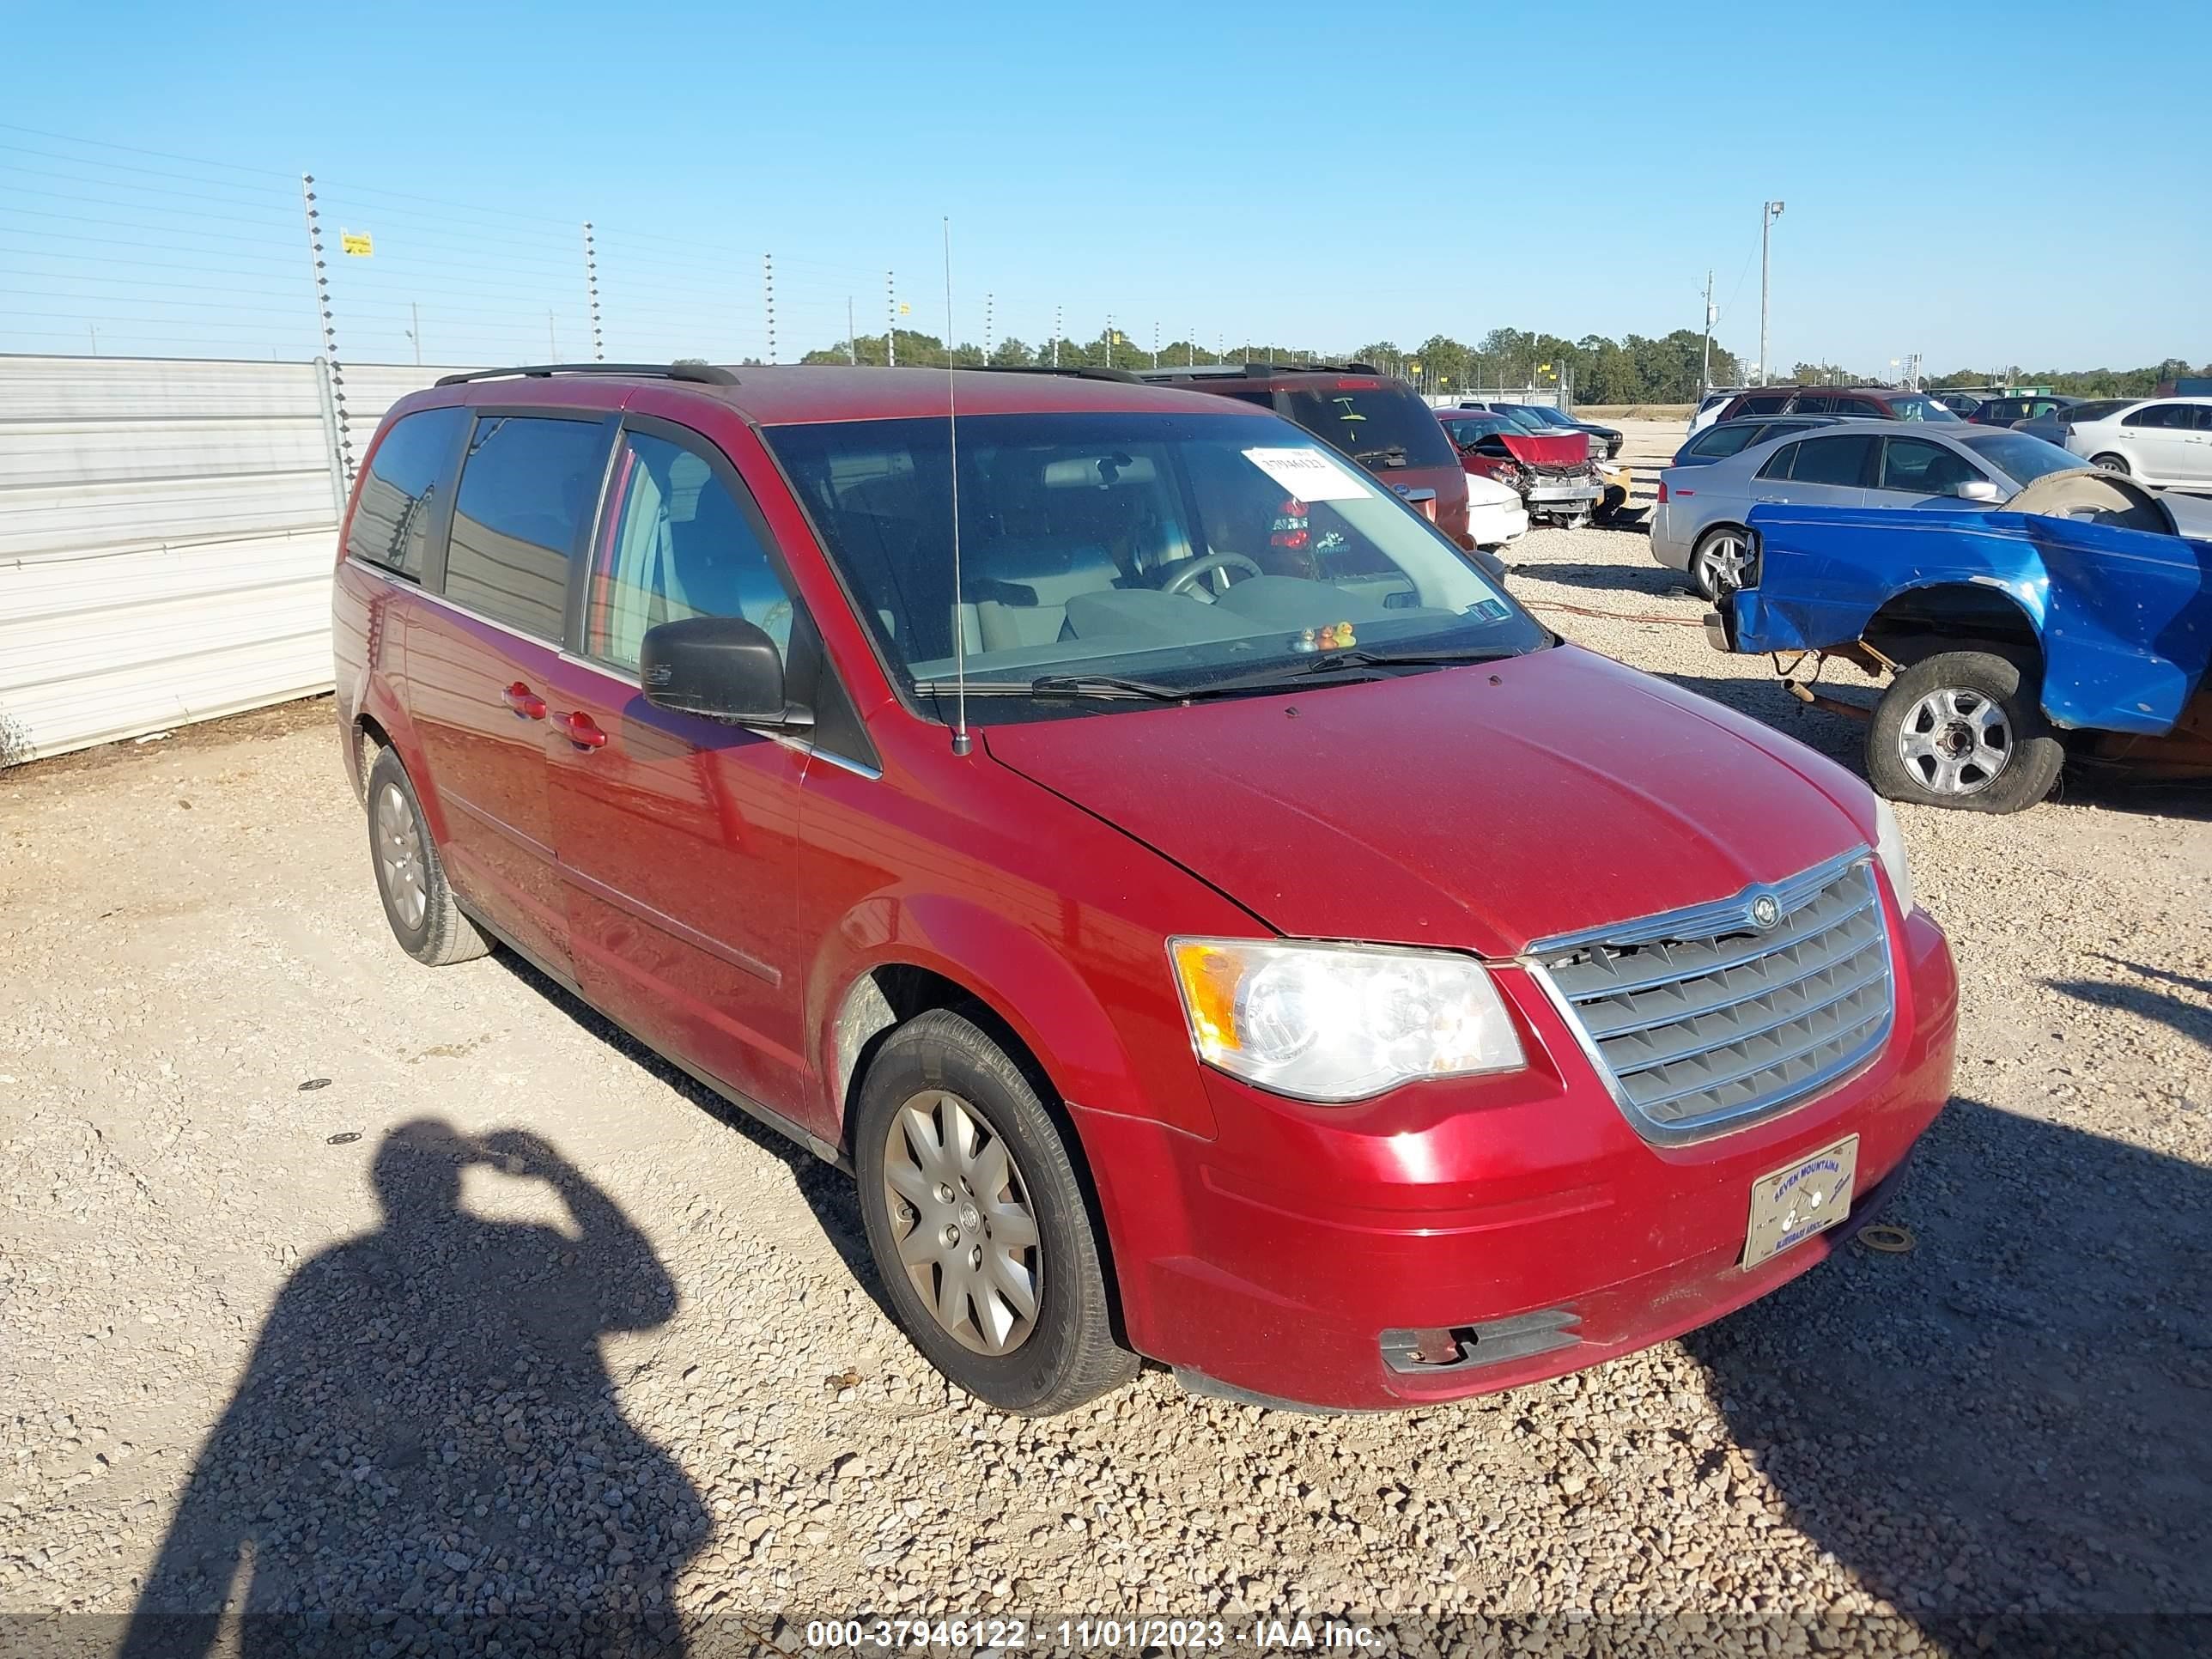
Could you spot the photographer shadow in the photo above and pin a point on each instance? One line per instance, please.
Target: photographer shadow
(426, 1442)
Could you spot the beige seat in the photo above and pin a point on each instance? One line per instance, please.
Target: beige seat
(1019, 591)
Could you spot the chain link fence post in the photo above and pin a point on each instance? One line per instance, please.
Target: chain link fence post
(333, 371)
(591, 292)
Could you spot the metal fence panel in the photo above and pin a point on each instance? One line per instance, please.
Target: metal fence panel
(166, 532)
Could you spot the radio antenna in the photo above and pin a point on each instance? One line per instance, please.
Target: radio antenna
(952, 433)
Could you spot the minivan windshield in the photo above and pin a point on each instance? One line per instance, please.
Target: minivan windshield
(1377, 422)
(1124, 556)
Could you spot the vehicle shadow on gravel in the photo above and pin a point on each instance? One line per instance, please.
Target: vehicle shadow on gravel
(1654, 583)
(2190, 1015)
(427, 1445)
(2002, 1430)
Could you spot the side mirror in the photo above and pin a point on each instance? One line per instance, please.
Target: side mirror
(723, 667)
(1975, 490)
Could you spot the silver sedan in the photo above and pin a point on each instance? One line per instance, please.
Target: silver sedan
(1698, 525)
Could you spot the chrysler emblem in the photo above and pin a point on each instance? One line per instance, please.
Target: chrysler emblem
(1765, 913)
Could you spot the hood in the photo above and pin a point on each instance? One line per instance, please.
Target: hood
(1479, 807)
(1552, 449)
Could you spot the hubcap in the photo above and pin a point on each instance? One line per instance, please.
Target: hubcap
(961, 1219)
(1724, 562)
(1954, 741)
(399, 857)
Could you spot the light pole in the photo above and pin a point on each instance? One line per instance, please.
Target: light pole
(1768, 213)
(1705, 367)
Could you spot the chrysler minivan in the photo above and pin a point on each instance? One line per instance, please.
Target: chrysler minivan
(1210, 919)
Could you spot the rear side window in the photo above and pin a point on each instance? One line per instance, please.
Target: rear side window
(2160, 415)
(1766, 402)
(399, 494)
(676, 543)
(2203, 417)
(1722, 441)
(1859, 409)
(528, 487)
(1814, 403)
(1779, 463)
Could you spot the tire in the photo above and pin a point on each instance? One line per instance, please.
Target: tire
(1707, 574)
(1063, 1351)
(1963, 729)
(2111, 464)
(410, 877)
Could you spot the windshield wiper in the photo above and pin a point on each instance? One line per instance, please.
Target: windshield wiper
(1361, 657)
(1386, 453)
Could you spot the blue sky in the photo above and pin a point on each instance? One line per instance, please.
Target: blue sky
(1327, 174)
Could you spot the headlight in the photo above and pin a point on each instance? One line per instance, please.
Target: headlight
(1889, 848)
(1340, 1022)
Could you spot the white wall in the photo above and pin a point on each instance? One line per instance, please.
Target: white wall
(167, 533)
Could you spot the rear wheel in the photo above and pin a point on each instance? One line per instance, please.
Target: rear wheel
(1963, 729)
(978, 1224)
(1719, 563)
(410, 877)
(2110, 463)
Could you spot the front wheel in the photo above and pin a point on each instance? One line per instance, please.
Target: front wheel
(978, 1223)
(1963, 729)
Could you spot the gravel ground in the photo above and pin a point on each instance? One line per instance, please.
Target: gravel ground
(287, 1326)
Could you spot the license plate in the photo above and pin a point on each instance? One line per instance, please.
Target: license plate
(1799, 1199)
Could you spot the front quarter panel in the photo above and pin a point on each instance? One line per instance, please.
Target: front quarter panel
(1057, 920)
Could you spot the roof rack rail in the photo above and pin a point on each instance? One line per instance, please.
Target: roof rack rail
(1074, 371)
(1255, 371)
(697, 374)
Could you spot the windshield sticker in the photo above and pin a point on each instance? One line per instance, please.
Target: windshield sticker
(1309, 475)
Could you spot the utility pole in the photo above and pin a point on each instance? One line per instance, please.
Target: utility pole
(591, 291)
(1705, 367)
(1768, 213)
(891, 327)
(768, 299)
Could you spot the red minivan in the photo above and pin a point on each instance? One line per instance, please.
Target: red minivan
(1210, 919)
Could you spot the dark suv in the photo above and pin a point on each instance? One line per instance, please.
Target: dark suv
(1377, 419)
(1850, 402)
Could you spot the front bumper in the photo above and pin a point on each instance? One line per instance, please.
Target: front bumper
(1559, 498)
(1271, 1261)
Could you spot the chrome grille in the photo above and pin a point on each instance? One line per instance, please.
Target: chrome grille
(1703, 1018)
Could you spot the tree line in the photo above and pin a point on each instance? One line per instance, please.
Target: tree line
(1636, 369)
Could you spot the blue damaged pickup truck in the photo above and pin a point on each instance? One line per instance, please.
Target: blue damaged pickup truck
(2074, 621)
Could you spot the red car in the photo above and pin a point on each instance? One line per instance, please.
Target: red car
(1377, 419)
(1551, 470)
(1210, 919)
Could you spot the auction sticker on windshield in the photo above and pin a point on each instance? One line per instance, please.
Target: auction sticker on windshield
(1809, 1196)
(1308, 474)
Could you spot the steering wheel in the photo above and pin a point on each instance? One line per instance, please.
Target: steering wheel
(1184, 581)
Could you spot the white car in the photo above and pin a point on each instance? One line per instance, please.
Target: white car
(2155, 440)
(1494, 515)
(1710, 410)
